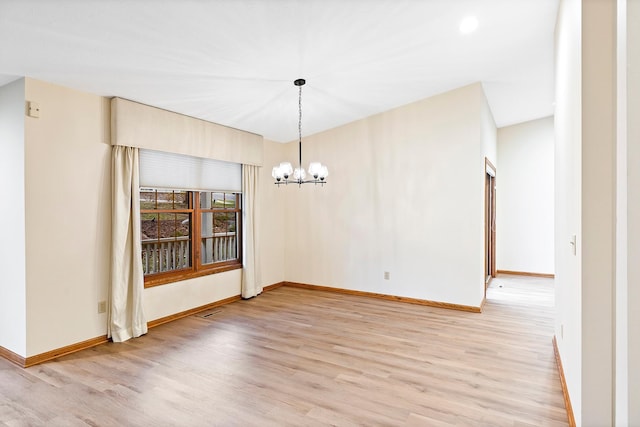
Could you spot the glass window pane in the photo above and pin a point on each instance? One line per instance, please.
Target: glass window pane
(165, 199)
(217, 201)
(181, 200)
(183, 225)
(233, 222)
(206, 251)
(207, 255)
(166, 226)
(166, 242)
(147, 199)
(220, 223)
(224, 222)
(206, 226)
(173, 225)
(205, 200)
(230, 200)
(148, 226)
(218, 242)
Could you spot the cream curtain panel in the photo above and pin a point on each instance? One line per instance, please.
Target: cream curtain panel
(126, 317)
(251, 281)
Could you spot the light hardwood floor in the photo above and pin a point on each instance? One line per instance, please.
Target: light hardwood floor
(300, 357)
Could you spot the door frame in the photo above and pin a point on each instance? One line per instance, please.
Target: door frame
(489, 222)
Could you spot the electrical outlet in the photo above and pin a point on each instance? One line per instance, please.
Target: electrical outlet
(561, 331)
(102, 307)
(386, 275)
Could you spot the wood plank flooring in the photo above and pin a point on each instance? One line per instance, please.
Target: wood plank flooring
(296, 357)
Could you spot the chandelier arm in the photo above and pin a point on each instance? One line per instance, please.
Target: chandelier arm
(300, 182)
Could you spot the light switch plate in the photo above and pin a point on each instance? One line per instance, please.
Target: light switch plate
(33, 109)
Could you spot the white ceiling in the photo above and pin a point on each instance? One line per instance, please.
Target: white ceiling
(233, 62)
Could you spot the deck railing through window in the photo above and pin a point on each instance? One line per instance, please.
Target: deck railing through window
(218, 248)
(168, 254)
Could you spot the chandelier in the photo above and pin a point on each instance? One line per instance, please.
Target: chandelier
(284, 172)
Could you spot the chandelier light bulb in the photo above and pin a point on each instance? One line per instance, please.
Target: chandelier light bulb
(324, 172)
(286, 169)
(299, 174)
(276, 173)
(314, 169)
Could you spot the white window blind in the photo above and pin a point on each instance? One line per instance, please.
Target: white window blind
(159, 169)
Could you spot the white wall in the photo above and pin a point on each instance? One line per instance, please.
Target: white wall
(568, 135)
(633, 206)
(405, 195)
(13, 316)
(489, 142)
(627, 336)
(622, 291)
(633, 213)
(525, 197)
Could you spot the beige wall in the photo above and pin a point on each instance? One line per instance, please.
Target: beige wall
(165, 300)
(13, 317)
(272, 217)
(67, 199)
(405, 195)
(68, 220)
(598, 209)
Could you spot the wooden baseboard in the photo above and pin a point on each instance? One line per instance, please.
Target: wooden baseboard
(274, 286)
(408, 300)
(12, 357)
(186, 313)
(63, 351)
(526, 273)
(563, 384)
(25, 362)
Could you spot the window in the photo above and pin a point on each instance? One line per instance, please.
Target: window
(188, 234)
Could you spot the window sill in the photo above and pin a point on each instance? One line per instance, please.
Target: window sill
(178, 276)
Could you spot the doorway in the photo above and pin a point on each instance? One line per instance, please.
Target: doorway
(489, 222)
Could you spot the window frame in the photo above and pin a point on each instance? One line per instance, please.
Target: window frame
(197, 268)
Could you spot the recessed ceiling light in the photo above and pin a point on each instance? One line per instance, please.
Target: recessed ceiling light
(468, 24)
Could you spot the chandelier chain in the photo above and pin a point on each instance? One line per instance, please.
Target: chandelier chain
(300, 114)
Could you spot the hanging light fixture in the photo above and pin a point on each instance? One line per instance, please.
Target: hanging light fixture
(284, 172)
